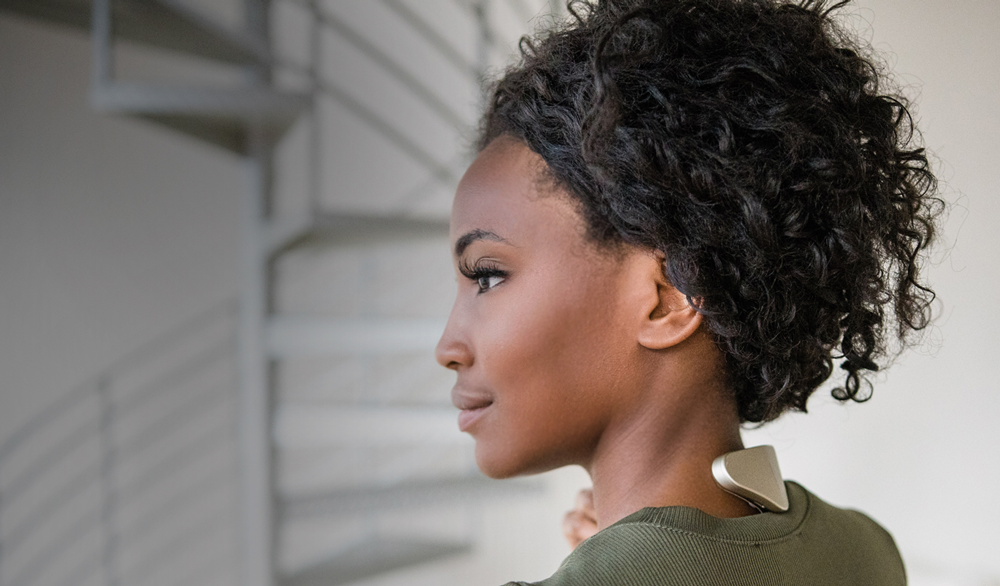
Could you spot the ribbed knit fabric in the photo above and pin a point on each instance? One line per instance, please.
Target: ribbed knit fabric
(813, 544)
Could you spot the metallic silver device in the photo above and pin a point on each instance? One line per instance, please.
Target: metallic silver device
(753, 475)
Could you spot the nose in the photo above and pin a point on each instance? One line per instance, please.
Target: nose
(452, 350)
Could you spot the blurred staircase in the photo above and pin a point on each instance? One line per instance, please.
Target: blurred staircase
(221, 117)
(281, 440)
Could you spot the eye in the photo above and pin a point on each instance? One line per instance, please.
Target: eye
(487, 282)
(485, 274)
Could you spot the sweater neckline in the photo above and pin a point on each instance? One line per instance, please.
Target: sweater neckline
(767, 526)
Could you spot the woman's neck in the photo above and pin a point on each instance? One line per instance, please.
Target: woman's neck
(663, 457)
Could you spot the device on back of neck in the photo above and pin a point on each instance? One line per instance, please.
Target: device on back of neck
(753, 475)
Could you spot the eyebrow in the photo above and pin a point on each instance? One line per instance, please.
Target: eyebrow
(474, 236)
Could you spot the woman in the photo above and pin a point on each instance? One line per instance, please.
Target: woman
(682, 215)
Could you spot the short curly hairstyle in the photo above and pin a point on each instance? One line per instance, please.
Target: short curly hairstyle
(757, 145)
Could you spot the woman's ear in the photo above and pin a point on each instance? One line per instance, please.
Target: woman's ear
(669, 318)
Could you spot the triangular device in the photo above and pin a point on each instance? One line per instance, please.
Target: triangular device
(753, 475)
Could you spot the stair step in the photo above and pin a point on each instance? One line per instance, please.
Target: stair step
(166, 24)
(373, 558)
(222, 117)
(407, 495)
(349, 228)
(299, 336)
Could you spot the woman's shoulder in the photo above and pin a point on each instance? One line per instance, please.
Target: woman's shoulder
(813, 542)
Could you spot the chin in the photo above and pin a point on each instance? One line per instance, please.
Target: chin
(494, 465)
(500, 464)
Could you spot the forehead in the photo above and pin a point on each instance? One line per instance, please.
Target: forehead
(504, 192)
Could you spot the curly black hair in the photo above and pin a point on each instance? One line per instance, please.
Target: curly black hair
(760, 148)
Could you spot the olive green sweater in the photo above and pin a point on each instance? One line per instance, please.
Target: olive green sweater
(813, 543)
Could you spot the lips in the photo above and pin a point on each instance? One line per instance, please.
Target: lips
(472, 405)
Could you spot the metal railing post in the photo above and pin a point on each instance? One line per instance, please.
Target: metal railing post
(103, 44)
(315, 136)
(255, 401)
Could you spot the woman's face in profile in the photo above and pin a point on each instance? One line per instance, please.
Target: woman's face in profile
(540, 335)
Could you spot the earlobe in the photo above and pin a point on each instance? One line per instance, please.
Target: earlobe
(670, 318)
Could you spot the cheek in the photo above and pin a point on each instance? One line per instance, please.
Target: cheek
(543, 339)
(553, 359)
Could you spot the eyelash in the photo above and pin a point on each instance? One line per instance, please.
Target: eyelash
(483, 271)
